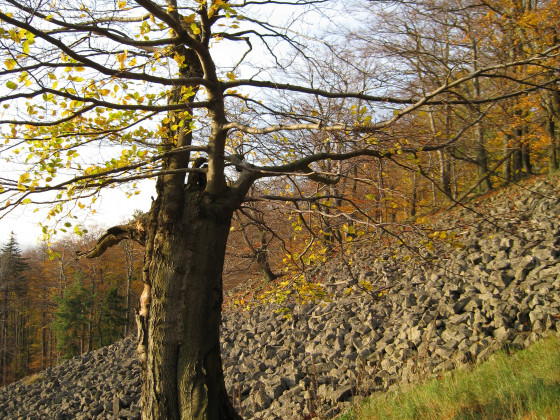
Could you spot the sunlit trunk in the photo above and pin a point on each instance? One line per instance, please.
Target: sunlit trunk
(182, 367)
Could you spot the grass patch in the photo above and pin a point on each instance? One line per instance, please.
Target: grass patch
(523, 385)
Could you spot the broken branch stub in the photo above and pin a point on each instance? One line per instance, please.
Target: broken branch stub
(135, 230)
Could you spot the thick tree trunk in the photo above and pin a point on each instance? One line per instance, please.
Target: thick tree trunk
(182, 367)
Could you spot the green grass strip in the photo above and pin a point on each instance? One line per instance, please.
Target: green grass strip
(523, 385)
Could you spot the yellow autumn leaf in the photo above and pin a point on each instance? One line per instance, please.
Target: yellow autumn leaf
(195, 29)
(10, 64)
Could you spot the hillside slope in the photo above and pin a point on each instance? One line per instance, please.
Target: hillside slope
(446, 304)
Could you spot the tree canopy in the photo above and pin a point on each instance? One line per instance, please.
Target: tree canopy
(122, 78)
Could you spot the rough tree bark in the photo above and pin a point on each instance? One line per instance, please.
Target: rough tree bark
(180, 310)
(179, 325)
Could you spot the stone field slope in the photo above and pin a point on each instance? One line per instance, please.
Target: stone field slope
(447, 303)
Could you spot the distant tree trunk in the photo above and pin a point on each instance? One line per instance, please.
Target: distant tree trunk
(331, 233)
(100, 331)
(414, 195)
(90, 317)
(521, 156)
(517, 163)
(3, 338)
(353, 235)
(508, 162)
(481, 155)
(44, 341)
(526, 158)
(262, 260)
(15, 343)
(444, 160)
(445, 173)
(52, 345)
(553, 148)
(552, 106)
(27, 342)
(434, 195)
(258, 253)
(82, 338)
(455, 183)
(482, 159)
(61, 279)
(382, 204)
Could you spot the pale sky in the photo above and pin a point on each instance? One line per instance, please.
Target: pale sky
(112, 208)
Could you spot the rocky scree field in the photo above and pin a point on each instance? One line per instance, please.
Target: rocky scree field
(491, 282)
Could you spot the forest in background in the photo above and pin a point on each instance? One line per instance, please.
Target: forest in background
(54, 306)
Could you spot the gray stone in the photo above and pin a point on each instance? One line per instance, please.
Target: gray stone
(460, 305)
(343, 393)
(502, 333)
(433, 319)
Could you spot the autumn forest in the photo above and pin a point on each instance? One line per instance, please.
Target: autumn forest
(356, 134)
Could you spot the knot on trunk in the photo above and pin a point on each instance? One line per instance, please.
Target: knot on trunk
(197, 178)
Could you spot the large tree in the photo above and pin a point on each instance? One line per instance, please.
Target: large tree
(201, 95)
